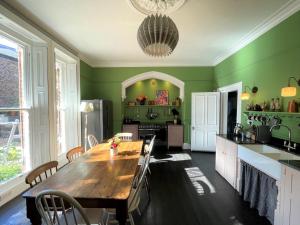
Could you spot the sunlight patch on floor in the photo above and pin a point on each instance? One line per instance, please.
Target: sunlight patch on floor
(171, 158)
(198, 179)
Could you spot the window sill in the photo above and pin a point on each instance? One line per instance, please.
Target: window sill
(12, 188)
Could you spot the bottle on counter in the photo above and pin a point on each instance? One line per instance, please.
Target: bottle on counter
(277, 105)
(272, 105)
(175, 119)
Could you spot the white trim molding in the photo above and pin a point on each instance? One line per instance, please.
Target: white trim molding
(186, 146)
(153, 75)
(146, 63)
(224, 104)
(288, 9)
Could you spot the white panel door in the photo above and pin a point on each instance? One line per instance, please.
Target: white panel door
(205, 120)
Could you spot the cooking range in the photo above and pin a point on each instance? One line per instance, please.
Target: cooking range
(147, 131)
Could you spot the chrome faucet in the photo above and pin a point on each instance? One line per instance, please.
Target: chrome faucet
(289, 144)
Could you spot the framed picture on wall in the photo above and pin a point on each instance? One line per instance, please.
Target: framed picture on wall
(162, 97)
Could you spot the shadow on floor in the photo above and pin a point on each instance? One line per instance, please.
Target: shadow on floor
(185, 190)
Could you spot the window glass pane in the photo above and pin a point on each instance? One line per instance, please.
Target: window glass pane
(14, 154)
(11, 90)
(60, 119)
(13, 127)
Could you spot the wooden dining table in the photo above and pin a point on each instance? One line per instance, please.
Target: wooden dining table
(97, 179)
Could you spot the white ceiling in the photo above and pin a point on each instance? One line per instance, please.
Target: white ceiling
(104, 32)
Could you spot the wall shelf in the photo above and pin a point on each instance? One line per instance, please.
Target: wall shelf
(271, 113)
(149, 106)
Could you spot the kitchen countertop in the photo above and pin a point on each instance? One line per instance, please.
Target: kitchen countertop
(237, 139)
(295, 164)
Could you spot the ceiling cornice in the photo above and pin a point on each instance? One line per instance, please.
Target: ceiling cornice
(35, 23)
(146, 64)
(280, 15)
(283, 13)
(86, 59)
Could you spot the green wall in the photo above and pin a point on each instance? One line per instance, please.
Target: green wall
(86, 72)
(148, 88)
(267, 63)
(106, 83)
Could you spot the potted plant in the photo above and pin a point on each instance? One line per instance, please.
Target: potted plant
(141, 99)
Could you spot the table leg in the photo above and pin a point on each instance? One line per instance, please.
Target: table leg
(122, 213)
(32, 212)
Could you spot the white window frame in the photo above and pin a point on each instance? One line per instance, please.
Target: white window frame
(63, 73)
(27, 75)
(16, 28)
(66, 58)
(16, 185)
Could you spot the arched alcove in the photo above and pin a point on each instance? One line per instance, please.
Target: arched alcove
(153, 75)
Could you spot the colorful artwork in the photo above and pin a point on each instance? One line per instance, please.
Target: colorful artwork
(162, 97)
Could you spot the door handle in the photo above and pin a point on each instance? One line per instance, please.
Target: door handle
(193, 128)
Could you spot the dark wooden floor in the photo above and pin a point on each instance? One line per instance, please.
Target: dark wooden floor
(185, 190)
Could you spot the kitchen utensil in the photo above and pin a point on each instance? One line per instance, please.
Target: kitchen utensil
(274, 121)
(151, 115)
(292, 106)
(263, 120)
(238, 129)
(263, 134)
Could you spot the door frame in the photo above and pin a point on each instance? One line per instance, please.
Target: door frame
(224, 104)
(192, 111)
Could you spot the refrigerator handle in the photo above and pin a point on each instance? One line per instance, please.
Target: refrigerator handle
(107, 114)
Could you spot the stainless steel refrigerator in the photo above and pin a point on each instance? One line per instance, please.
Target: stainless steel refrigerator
(98, 122)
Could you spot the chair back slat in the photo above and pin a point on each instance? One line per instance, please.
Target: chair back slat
(74, 153)
(149, 148)
(48, 218)
(92, 140)
(124, 136)
(35, 176)
(58, 201)
(64, 211)
(54, 209)
(135, 191)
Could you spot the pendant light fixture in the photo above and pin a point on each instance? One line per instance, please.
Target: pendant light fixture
(290, 91)
(246, 95)
(157, 35)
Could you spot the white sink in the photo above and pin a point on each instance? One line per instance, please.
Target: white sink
(262, 148)
(265, 158)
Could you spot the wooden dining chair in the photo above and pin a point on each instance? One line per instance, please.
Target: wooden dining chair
(150, 149)
(92, 140)
(124, 136)
(74, 153)
(134, 196)
(56, 207)
(41, 173)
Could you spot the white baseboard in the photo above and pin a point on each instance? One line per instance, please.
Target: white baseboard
(186, 146)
